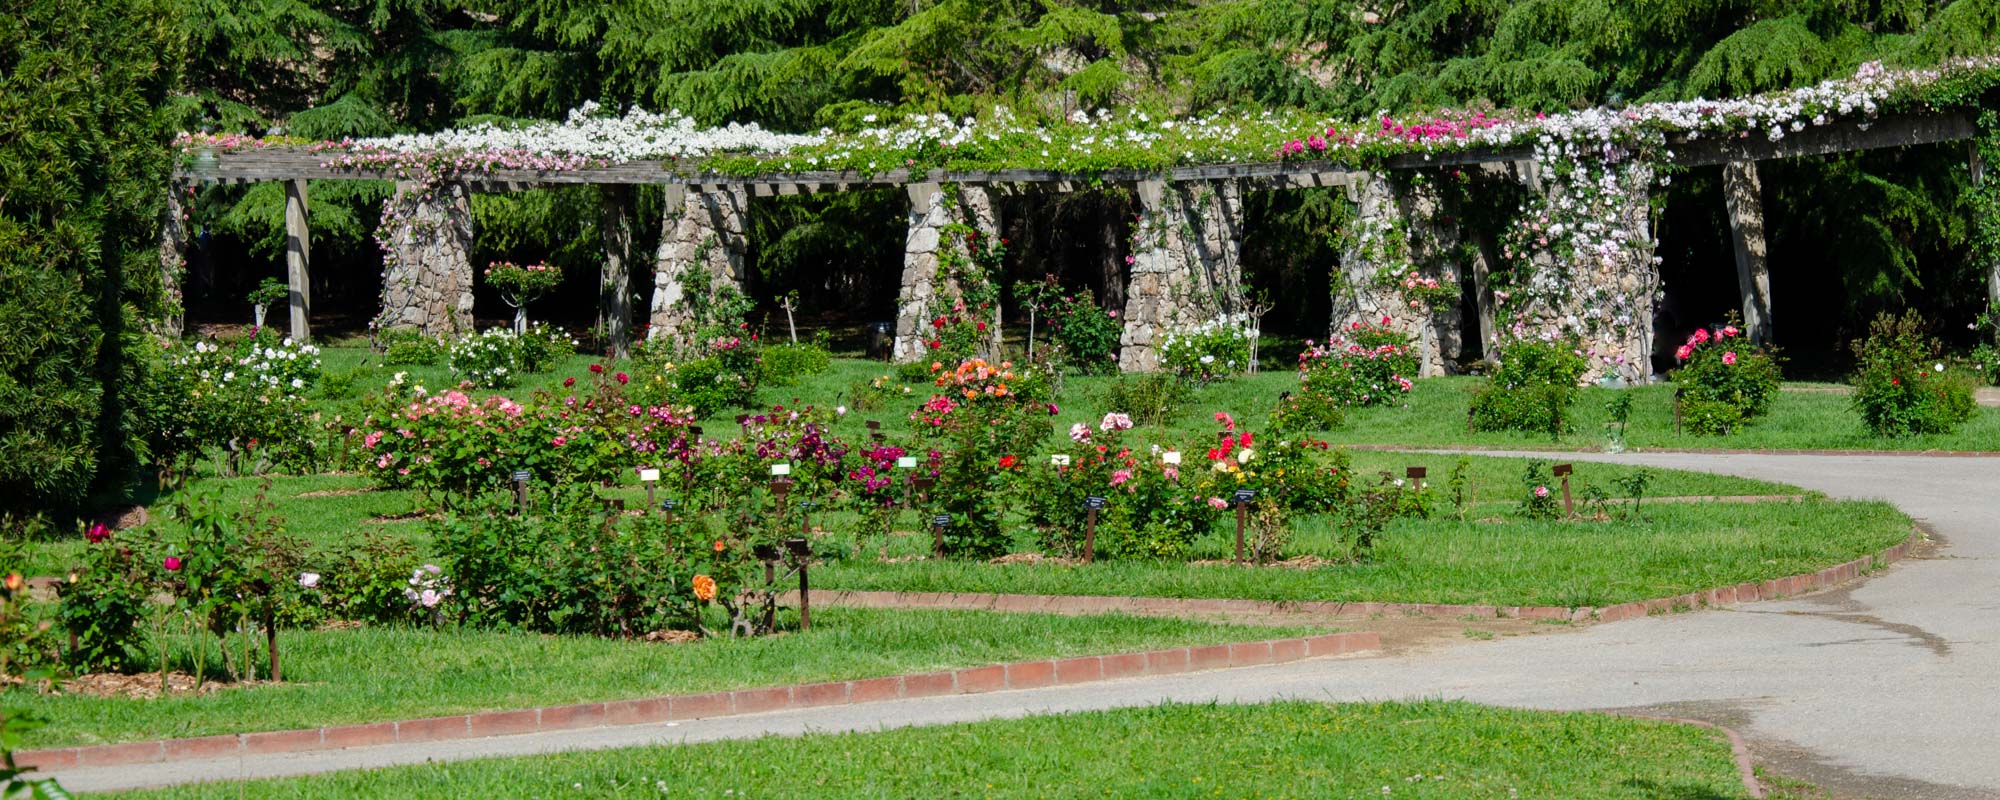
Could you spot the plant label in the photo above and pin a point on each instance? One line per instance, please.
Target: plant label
(781, 469)
(1560, 470)
(941, 521)
(522, 475)
(649, 475)
(1171, 457)
(1059, 460)
(1093, 503)
(907, 462)
(1416, 473)
(1245, 495)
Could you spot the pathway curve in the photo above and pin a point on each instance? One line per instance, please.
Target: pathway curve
(1886, 688)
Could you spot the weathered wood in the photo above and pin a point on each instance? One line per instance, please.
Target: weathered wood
(614, 285)
(1742, 194)
(1819, 140)
(1482, 292)
(298, 259)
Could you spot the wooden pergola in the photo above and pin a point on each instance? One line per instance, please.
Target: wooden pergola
(295, 167)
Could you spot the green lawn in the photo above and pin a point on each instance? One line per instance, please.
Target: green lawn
(1290, 749)
(370, 674)
(1433, 415)
(1674, 549)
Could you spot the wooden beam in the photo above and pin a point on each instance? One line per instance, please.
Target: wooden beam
(1742, 194)
(1819, 140)
(298, 259)
(614, 285)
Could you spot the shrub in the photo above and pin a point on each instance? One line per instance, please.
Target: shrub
(1539, 495)
(86, 89)
(1901, 385)
(251, 396)
(979, 415)
(1724, 382)
(875, 394)
(105, 605)
(497, 358)
(1084, 334)
(409, 348)
(572, 567)
(785, 364)
(1368, 364)
(1152, 398)
(1306, 411)
(1985, 357)
(1531, 390)
(1210, 351)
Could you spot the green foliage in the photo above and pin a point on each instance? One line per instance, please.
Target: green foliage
(1538, 499)
(83, 163)
(788, 364)
(571, 566)
(412, 348)
(1901, 384)
(497, 358)
(106, 604)
(270, 292)
(1153, 398)
(15, 780)
(1368, 364)
(1083, 334)
(1208, 352)
(1724, 380)
(1532, 390)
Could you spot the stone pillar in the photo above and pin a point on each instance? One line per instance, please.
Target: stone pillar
(1401, 233)
(173, 260)
(924, 290)
(701, 237)
(1741, 193)
(614, 285)
(427, 271)
(1185, 265)
(298, 260)
(1602, 293)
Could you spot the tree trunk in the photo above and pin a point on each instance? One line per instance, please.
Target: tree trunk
(1741, 193)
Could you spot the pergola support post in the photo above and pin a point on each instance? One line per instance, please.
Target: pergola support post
(614, 286)
(298, 259)
(1186, 265)
(701, 237)
(931, 211)
(1400, 232)
(1741, 192)
(427, 267)
(173, 260)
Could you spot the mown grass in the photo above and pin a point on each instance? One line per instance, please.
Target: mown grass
(1432, 415)
(1671, 549)
(1430, 749)
(370, 674)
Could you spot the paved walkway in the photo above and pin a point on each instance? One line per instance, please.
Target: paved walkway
(1890, 688)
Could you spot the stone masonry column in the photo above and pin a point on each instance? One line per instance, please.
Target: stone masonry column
(426, 267)
(1185, 265)
(1400, 232)
(701, 238)
(173, 260)
(931, 211)
(1602, 292)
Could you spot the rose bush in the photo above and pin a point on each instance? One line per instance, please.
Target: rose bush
(1724, 380)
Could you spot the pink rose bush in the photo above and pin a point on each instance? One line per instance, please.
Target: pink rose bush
(1724, 380)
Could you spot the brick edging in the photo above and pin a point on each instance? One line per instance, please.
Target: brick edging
(1746, 768)
(674, 708)
(1173, 606)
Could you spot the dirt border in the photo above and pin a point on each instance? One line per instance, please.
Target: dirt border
(970, 680)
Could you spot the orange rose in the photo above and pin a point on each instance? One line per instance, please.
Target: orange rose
(15, 582)
(704, 588)
(719, 546)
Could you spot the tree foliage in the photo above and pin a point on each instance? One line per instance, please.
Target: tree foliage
(83, 158)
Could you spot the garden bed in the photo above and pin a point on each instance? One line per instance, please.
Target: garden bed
(1287, 749)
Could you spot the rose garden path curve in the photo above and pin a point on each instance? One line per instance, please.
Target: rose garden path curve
(1886, 688)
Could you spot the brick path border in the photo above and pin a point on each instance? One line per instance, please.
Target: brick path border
(1171, 606)
(970, 680)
